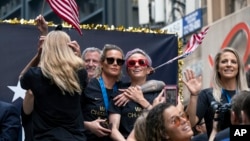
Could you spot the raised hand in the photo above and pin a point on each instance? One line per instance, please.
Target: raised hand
(159, 99)
(75, 47)
(41, 25)
(192, 82)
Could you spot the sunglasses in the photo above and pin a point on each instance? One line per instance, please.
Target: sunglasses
(176, 120)
(111, 60)
(141, 62)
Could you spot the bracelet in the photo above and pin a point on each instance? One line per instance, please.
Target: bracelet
(194, 94)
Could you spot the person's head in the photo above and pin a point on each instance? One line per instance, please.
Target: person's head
(138, 64)
(111, 61)
(236, 106)
(139, 127)
(59, 63)
(167, 122)
(91, 57)
(200, 127)
(245, 113)
(228, 66)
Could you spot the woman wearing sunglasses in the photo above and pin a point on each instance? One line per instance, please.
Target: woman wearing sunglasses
(166, 122)
(138, 66)
(95, 102)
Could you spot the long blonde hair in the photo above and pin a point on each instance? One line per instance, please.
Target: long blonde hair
(241, 76)
(140, 127)
(59, 63)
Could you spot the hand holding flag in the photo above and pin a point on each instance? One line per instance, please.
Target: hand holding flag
(67, 10)
(193, 43)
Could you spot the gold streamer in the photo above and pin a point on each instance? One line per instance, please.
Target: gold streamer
(113, 28)
(88, 26)
(180, 64)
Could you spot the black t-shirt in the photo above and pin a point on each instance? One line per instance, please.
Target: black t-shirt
(205, 110)
(93, 106)
(55, 116)
(92, 102)
(130, 112)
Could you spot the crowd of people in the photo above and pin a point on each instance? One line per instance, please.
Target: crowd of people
(81, 97)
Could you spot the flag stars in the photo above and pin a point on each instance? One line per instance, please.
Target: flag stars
(18, 91)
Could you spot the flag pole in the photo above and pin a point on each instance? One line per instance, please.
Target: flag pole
(43, 7)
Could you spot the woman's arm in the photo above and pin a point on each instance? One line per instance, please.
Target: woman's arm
(115, 121)
(214, 130)
(193, 84)
(36, 59)
(152, 86)
(28, 102)
(43, 28)
(191, 110)
(149, 86)
(34, 62)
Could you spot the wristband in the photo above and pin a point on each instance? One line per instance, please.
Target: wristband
(194, 95)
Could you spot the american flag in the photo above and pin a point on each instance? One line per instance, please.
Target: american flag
(193, 43)
(67, 10)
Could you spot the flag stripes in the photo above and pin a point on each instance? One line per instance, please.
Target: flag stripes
(67, 10)
(195, 41)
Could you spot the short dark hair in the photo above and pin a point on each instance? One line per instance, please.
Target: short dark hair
(246, 104)
(236, 103)
(155, 127)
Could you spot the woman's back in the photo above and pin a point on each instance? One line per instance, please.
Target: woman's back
(54, 114)
(56, 86)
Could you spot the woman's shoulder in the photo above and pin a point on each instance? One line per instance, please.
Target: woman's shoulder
(93, 85)
(34, 71)
(93, 81)
(207, 92)
(82, 71)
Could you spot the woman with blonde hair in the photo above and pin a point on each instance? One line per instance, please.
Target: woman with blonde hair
(228, 78)
(139, 131)
(54, 89)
